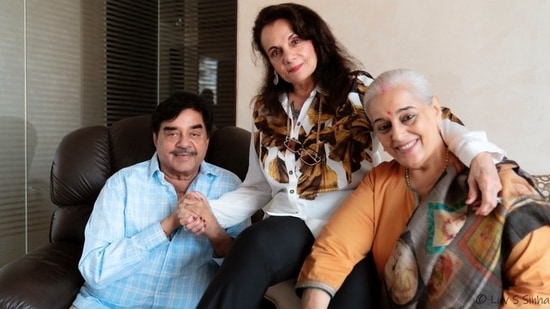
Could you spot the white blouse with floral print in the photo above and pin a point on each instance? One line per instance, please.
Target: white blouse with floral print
(328, 153)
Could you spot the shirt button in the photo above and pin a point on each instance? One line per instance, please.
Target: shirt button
(298, 124)
(291, 191)
(290, 172)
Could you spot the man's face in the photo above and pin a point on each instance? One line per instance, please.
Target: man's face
(181, 145)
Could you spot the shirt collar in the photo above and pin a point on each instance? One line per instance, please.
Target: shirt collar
(154, 168)
(283, 99)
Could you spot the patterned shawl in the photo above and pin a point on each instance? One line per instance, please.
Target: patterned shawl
(447, 256)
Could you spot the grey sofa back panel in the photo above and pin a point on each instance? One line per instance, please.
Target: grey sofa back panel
(228, 148)
(80, 167)
(130, 141)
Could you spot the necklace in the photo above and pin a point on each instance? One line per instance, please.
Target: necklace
(294, 111)
(293, 144)
(408, 177)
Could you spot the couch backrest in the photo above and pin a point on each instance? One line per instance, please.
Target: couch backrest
(86, 157)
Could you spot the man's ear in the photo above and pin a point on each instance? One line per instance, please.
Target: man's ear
(155, 140)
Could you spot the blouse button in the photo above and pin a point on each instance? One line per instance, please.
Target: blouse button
(291, 191)
(290, 172)
(298, 123)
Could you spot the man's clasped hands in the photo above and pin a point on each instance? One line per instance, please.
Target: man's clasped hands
(195, 215)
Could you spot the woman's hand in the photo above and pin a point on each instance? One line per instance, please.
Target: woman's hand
(190, 209)
(197, 218)
(483, 178)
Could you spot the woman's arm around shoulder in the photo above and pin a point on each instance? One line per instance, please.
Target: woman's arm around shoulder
(474, 150)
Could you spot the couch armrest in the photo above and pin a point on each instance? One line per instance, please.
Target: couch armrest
(47, 278)
(542, 182)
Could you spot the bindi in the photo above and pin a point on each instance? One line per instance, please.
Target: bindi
(388, 113)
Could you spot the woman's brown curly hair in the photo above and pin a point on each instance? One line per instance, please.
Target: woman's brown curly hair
(334, 63)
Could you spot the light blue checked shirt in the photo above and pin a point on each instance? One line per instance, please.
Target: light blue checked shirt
(127, 261)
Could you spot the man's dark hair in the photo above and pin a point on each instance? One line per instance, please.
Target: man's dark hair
(171, 107)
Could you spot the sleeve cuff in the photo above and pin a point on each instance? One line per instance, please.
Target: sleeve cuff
(301, 286)
(473, 143)
(467, 144)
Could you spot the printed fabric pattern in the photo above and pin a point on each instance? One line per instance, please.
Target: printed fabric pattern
(341, 137)
(446, 257)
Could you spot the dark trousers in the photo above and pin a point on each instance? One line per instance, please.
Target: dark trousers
(269, 252)
(361, 289)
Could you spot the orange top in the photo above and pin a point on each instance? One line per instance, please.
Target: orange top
(372, 219)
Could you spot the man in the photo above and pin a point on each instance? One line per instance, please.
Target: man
(136, 254)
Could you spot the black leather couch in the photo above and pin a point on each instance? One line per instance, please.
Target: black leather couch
(48, 277)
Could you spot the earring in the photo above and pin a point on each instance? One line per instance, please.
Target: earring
(275, 78)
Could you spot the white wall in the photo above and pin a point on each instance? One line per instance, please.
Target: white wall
(489, 61)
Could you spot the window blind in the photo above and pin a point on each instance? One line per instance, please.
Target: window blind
(197, 46)
(131, 58)
(155, 49)
(68, 64)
